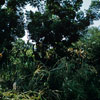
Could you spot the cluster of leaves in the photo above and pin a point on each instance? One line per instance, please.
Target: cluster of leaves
(12, 95)
(88, 47)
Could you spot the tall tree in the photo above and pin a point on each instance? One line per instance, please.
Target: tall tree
(61, 24)
(11, 22)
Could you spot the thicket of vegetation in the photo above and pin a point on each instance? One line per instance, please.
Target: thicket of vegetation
(63, 64)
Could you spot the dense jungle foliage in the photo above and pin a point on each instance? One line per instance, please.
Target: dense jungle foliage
(62, 63)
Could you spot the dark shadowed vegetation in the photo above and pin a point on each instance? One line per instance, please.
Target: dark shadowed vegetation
(62, 63)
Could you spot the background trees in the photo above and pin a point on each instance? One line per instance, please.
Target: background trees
(64, 62)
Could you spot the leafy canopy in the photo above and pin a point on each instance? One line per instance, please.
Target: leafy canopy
(60, 24)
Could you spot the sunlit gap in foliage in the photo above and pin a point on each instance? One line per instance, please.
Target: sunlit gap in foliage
(29, 8)
(26, 38)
